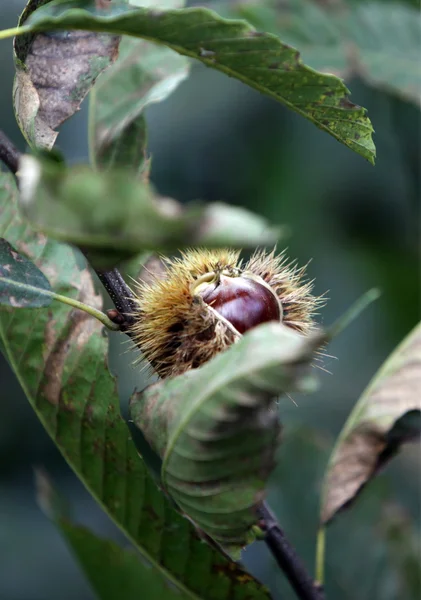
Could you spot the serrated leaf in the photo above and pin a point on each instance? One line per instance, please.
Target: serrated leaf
(258, 59)
(22, 284)
(115, 216)
(114, 572)
(60, 358)
(376, 41)
(217, 428)
(387, 414)
(54, 72)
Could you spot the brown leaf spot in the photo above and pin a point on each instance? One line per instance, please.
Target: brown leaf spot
(61, 68)
(53, 368)
(15, 302)
(26, 249)
(254, 34)
(347, 104)
(81, 326)
(15, 255)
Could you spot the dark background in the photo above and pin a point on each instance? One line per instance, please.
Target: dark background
(215, 139)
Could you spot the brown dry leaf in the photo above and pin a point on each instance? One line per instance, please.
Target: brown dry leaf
(54, 73)
(387, 414)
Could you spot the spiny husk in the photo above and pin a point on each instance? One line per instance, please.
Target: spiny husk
(177, 331)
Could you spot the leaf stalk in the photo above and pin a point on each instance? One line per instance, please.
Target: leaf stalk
(102, 317)
(320, 555)
(13, 31)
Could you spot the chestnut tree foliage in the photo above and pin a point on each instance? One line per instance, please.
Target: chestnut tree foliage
(187, 513)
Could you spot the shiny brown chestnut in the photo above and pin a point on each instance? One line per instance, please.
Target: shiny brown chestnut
(243, 301)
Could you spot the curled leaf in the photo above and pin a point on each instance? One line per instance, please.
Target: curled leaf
(217, 428)
(54, 72)
(387, 414)
(22, 284)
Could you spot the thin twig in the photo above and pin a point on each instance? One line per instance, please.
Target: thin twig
(121, 295)
(287, 558)
(123, 300)
(9, 154)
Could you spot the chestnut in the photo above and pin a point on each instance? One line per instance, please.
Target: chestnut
(199, 304)
(243, 301)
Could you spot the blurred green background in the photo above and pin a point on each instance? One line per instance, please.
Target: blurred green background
(215, 139)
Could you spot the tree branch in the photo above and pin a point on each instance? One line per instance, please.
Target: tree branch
(287, 558)
(121, 295)
(9, 154)
(123, 300)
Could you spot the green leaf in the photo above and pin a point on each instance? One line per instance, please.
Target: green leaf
(60, 359)
(116, 216)
(387, 414)
(143, 74)
(217, 428)
(258, 59)
(22, 285)
(376, 41)
(114, 572)
(54, 72)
